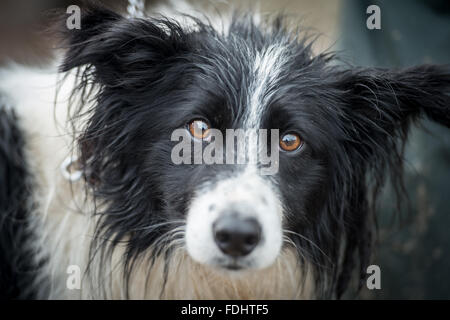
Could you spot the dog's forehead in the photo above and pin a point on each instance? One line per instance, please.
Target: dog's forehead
(252, 72)
(248, 72)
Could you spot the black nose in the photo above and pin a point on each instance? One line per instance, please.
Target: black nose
(236, 236)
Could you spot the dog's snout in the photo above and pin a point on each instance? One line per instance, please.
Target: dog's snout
(236, 236)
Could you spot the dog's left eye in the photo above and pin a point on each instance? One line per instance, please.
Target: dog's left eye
(199, 129)
(290, 142)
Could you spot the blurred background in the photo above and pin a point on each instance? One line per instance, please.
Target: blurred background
(414, 255)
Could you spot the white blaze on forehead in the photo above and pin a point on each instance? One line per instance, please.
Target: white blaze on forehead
(266, 71)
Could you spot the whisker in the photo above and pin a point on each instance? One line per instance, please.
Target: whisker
(157, 225)
(298, 250)
(309, 241)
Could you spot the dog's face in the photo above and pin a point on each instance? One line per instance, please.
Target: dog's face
(235, 216)
(333, 128)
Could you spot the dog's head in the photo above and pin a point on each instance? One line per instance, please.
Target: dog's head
(335, 127)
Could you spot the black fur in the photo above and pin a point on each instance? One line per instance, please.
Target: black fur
(17, 261)
(154, 77)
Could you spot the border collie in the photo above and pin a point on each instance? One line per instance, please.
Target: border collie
(137, 225)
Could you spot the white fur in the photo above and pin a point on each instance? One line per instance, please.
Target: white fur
(253, 198)
(62, 231)
(266, 70)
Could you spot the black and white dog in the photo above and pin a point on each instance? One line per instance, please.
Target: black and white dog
(138, 225)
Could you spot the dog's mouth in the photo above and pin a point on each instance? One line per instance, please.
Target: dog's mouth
(230, 264)
(234, 266)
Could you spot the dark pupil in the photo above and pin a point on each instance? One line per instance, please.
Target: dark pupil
(200, 126)
(289, 139)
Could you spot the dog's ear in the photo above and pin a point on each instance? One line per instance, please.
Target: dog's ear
(379, 104)
(116, 45)
(375, 109)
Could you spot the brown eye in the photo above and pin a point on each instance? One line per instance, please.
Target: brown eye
(199, 129)
(290, 142)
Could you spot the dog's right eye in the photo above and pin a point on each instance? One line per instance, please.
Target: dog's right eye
(199, 129)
